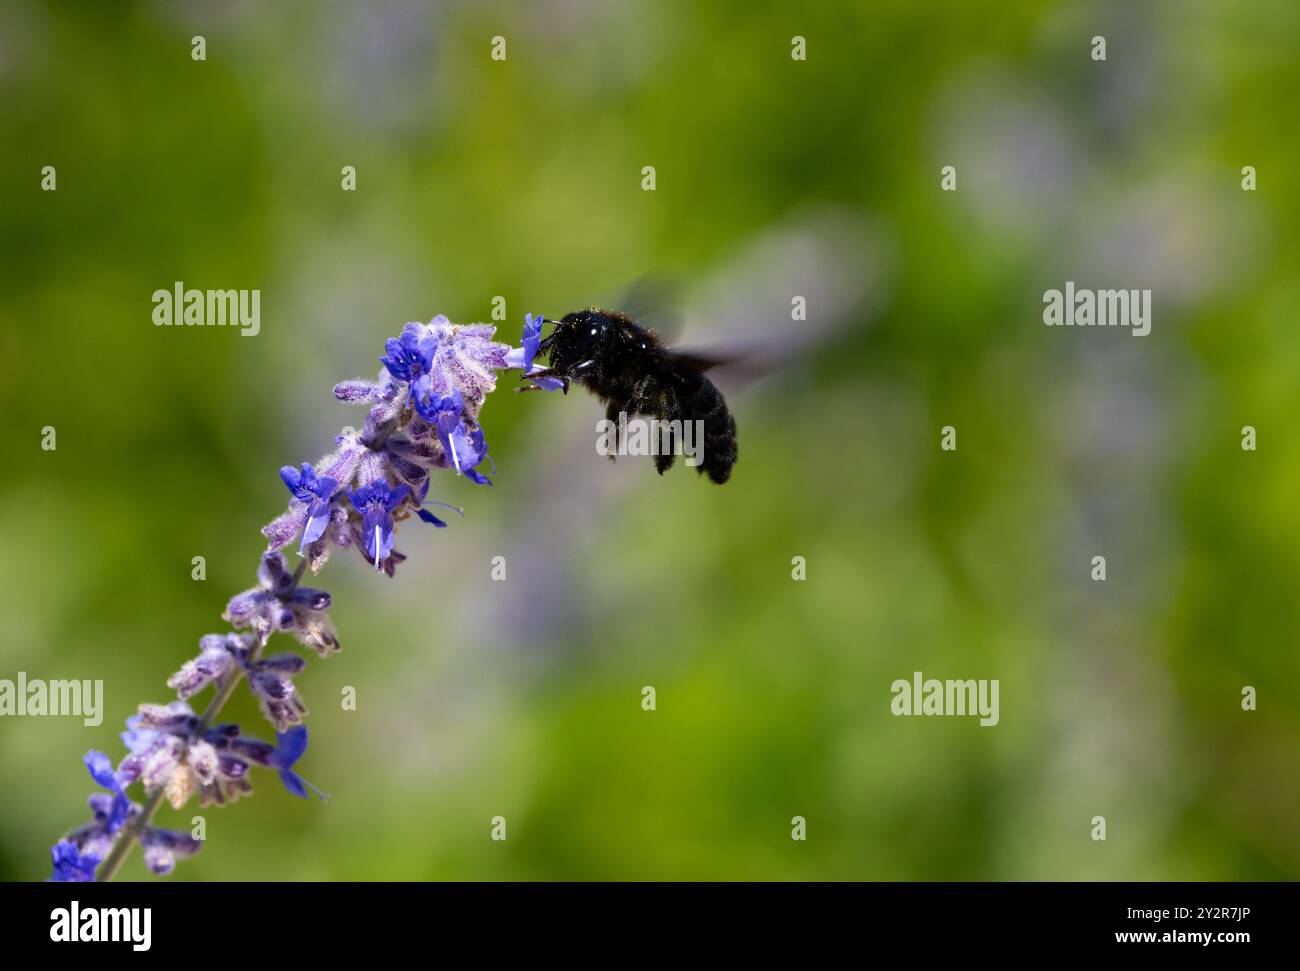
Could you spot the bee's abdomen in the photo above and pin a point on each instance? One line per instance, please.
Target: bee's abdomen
(684, 396)
(702, 402)
(708, 405)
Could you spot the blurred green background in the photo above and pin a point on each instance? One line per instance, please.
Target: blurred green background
(776, 178)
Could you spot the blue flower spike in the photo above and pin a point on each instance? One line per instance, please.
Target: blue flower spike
(424, 407)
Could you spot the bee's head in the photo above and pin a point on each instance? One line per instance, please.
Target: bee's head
(578, 337)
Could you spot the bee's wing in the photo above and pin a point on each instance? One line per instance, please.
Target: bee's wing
(734, 366)
(698, 360)
(654, 300)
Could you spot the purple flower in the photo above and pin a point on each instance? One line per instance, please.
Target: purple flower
(155, 765)
(376, 503)
(163, 846)
(408, 356)
(522, 357)
(431, 358)
(410, 454)
(283, 755)
(169, 751)
(316, 492)
(309, 513)
(462, 357)
(156, 737)
(427, 370)
(463, 447)
(232, 779)
(216, 656)
(386, 396)
(101, 770)
(289, 748)
(76, 858)
(277, 603)
(270, 678)
(429, 517)
(361, 391)
(92, 841)
(175, 717)
(176, 757)
(70, 866)
(136, 738)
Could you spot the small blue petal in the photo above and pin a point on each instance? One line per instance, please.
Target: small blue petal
(430, 518)
(291, 477)
(532, 338)
(288, 750)
(318, 517)
(298, 785)
(396, 495)
(117, 813)
(101, 770)
(406, 359)
(289, 747)
(294, 783)
(70, 866)
(546, 384)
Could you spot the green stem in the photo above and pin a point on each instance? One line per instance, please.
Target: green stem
(117, 856)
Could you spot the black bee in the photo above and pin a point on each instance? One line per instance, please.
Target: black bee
(628, 368)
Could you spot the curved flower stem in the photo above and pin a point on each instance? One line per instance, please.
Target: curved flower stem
(122, 848)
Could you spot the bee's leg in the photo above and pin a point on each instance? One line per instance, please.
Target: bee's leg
(612, 411)
(666, 455)
(668, 410)
(643, 398)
